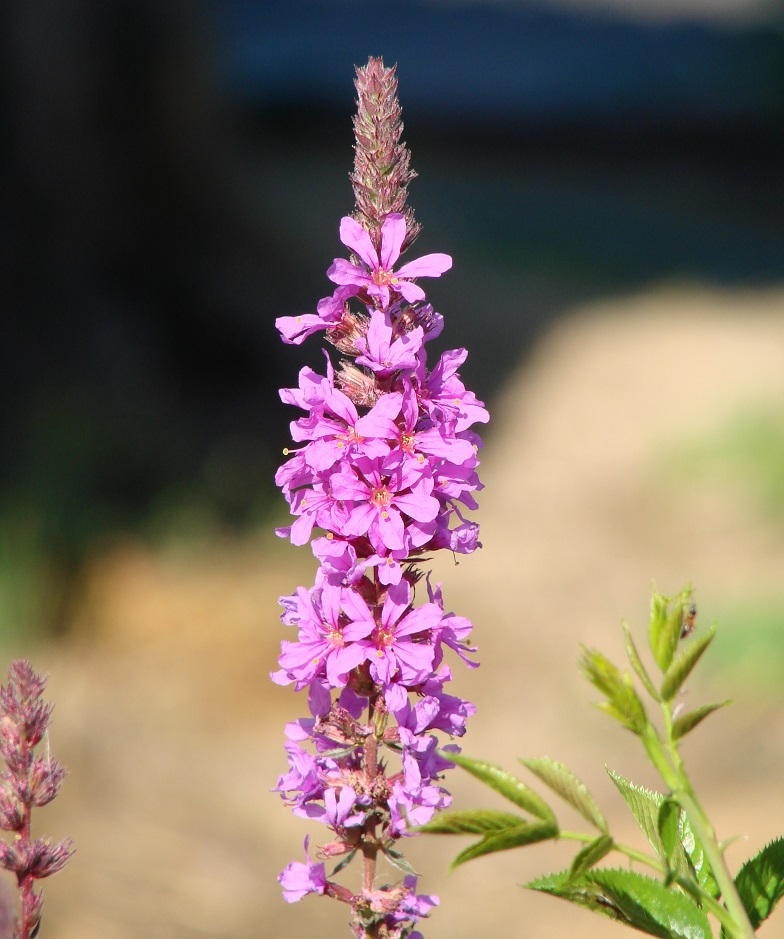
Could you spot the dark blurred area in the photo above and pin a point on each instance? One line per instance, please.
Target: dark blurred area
(174, 175)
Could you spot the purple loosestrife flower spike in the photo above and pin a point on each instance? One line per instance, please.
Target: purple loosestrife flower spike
(384, 468)
(28, 782)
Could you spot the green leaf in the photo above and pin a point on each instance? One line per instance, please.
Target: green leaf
(472, 821)
(590, 855)
(631, 898)
(647, 905)
(644, 805)
(700, 869)
(507, 785)
(636, 661)
(760, 882)
(579, 891)
(666, 623)
(516, 837)
(667, 822)
(681, 666)
(622, 701)
(688, 721)
(564, 782)
(656, 626)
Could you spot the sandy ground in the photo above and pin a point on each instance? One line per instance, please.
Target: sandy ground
(173, 733)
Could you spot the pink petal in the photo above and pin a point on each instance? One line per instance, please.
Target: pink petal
(429, 265)
(354, 236)
(409, 291)
(342, 271)
(393, 234)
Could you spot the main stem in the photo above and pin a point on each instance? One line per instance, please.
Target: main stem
(674, 774)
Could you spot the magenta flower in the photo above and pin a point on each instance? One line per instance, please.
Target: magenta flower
(337, 431)
(378, 501)
(385, 355)
(327, 641)
(375, 274)
(400, 647)
(294, 330)
(298, 880)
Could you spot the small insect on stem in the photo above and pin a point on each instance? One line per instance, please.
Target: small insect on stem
(687, 622)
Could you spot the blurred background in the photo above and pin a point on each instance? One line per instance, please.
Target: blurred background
(607, 176)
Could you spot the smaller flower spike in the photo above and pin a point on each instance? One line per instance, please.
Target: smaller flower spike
(28, 782)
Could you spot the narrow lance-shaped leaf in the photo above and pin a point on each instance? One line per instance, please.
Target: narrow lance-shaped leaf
(665, 626)
(516, 837)
(636, 661)
(396, 858)
(470, 821)
(506, 784)
(701, 872)
(590, 855)
(681, 666)
(564, 782)
(669, 831)
(622, 701)
(760, 882)
(688, 721)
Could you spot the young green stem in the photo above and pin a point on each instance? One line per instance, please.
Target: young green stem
(741, 927)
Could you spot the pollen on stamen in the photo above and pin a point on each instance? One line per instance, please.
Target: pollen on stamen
(330, 536)
(303, 503)
(385, 514)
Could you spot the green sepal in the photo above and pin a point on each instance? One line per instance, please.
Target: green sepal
(590, 855)
(760, 882)
(516, 837)
(471, 821)
(688, 721)
(564, 782)
(631, 898)
(636, 662)
(682, 664)
(507, 785)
